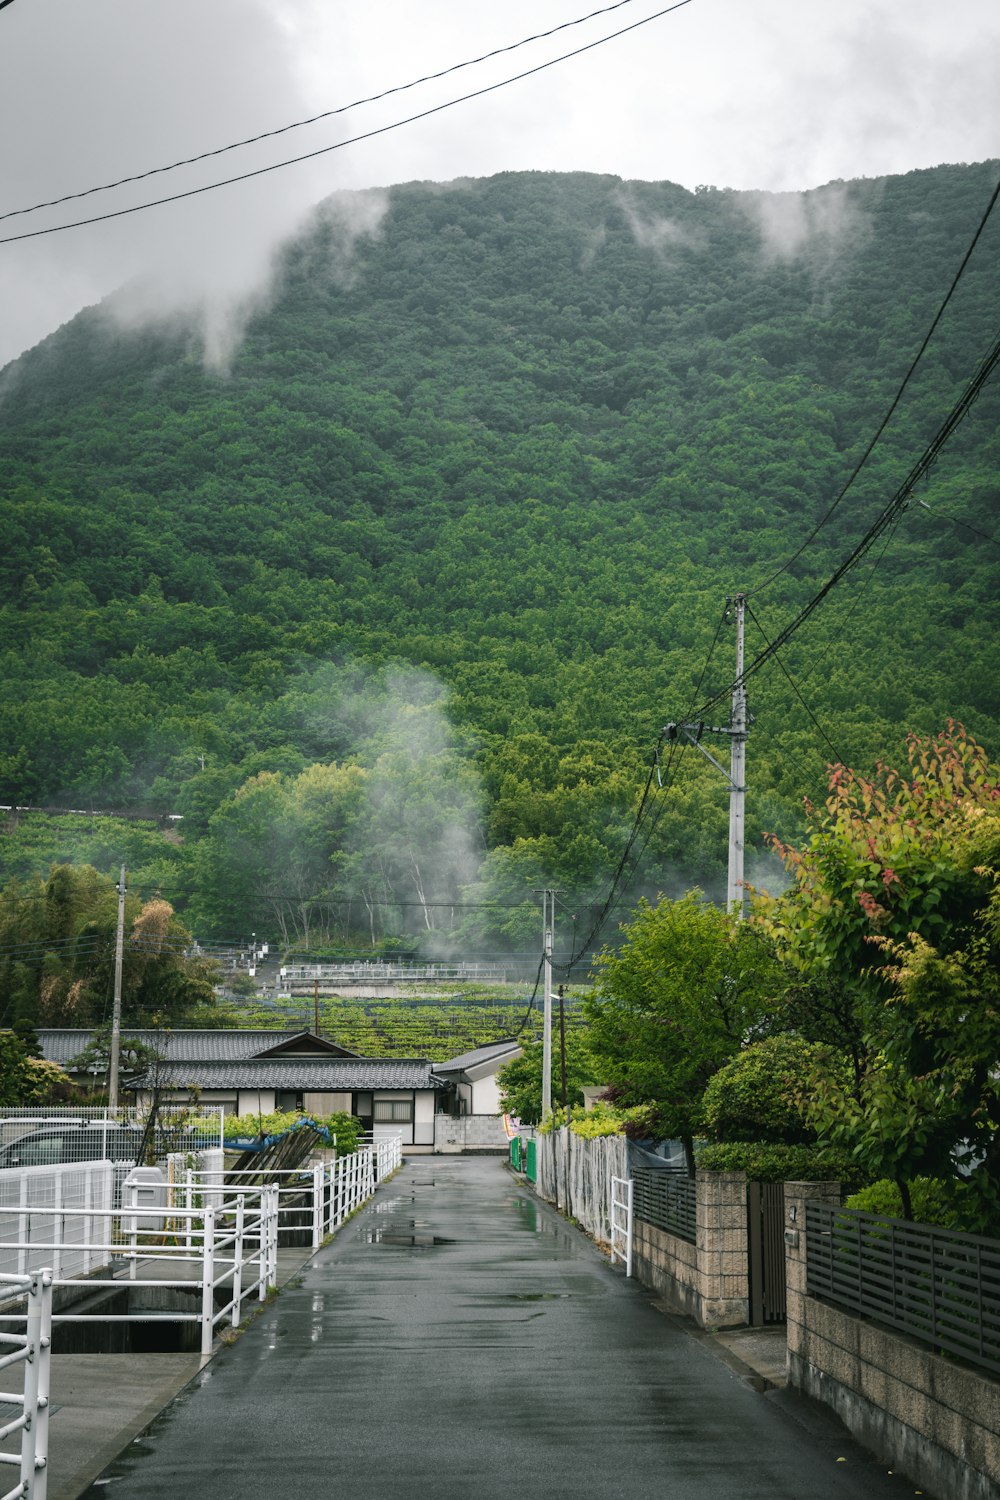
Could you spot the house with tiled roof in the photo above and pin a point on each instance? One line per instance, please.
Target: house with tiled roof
(256, 1071)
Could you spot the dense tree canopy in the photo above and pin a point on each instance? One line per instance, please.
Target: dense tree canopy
(505, 453)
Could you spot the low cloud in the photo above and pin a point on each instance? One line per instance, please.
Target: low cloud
(822, 224)
(654, 232)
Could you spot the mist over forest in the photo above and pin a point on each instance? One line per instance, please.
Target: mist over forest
(385, 578)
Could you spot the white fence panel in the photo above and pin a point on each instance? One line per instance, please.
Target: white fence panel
(31, 1203)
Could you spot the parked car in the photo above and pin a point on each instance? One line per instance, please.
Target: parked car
(93, 1141)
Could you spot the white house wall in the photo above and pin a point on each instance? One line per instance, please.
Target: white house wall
(485, 1096)
(423, 1118)
(255, 1102)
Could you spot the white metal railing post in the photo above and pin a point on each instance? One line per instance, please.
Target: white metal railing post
(317, 1206)
(38, 1330)
(262, 1246)
(132, 1228)
(207, 1281)
(22, 1228)
(41, 1443)
(238, 1259)
(58, 1224)
(621, 1230)
(88, 1222)
(189, 1205)
(273, 1281)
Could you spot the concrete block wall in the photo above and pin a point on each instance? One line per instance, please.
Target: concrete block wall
(709, 1280)
(925, 1416)
(469, 1133)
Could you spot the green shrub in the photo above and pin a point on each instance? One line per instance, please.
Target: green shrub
(779, 1161)
(759, 1093)
(347, 1128)
(933, 1201)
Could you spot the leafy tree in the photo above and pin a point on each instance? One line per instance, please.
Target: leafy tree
(27, 1080)
(690, 987)
(520, 1081)
(895, 898)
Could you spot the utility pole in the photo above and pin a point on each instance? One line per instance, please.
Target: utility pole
(562, 1048)
(548, 922)
(116, 1010)
(736, 732)
(736, 892)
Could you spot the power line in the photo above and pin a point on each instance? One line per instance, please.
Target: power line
(351, 141)
(327, 114)
(766, 582)
(894, 508)
(794, 687)
(613, 898)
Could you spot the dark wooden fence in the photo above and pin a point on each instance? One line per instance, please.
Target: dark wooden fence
(933, 1284)
(666, 1200)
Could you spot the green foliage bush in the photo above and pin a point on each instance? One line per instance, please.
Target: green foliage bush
(776, 1161)
(760, 1093)
(347, 1128)
(589, 1124)
(932, 1198)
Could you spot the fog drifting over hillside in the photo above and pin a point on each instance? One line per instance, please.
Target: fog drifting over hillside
(775, 96)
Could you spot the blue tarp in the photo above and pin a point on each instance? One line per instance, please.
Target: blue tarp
(261, 1142)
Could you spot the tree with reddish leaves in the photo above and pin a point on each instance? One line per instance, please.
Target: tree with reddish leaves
(895, 905)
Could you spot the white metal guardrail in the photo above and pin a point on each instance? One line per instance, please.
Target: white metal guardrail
(324, 1194)
(621, 1221)
(222, 1238)
(32, 1349)
(225, 1245)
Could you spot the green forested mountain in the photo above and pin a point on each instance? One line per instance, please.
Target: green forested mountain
(393, 607)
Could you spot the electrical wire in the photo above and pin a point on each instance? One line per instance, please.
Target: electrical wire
(839, 759)
(663, 778)
(327, 114)
(766, 582)
(900, 500)
(367, 135)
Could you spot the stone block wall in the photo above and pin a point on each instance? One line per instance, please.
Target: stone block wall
(723, 1246)
(924, 1415)
(669, 1265)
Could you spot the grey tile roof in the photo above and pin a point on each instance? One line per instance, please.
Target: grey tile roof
(60, 1045)
(308, 1074)
(499, 1050)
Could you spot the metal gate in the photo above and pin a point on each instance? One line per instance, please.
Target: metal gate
(766, 1225)
(620, 1196)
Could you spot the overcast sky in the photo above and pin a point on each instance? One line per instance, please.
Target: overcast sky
(774, 94)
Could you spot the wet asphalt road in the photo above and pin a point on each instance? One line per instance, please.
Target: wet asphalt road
(458, 1339)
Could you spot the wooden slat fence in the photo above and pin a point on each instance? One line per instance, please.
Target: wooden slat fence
(933, 1284)
(666, 1200)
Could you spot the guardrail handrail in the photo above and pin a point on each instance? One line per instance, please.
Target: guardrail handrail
(33, 1349)
(233, 1239)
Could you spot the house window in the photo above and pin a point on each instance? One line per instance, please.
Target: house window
(393, 1111)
